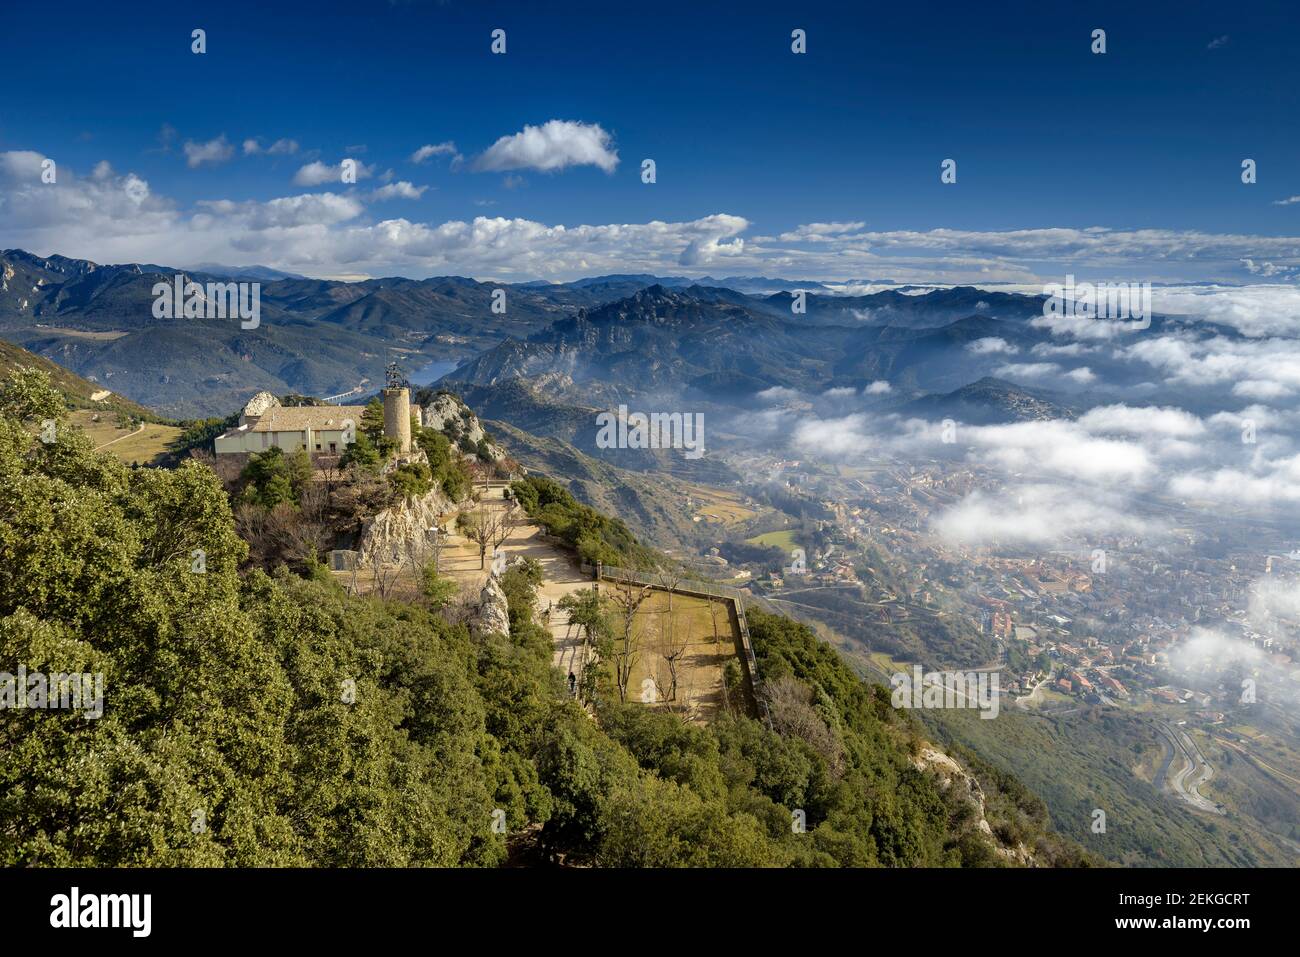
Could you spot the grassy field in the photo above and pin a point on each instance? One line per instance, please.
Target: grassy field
(699, 670)
(127, 445)
(783, 539)
(719, 507)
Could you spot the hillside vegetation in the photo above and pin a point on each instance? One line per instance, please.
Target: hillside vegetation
(76, 390)
(271, 720)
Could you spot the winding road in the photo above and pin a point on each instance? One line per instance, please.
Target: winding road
(1194, 772)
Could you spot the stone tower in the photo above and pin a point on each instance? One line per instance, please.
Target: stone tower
(397, 417)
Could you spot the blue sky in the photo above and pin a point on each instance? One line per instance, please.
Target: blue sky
(1047, 136)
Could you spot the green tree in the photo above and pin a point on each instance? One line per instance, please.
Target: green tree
(361, 453)
(437, 591)
(372, 420)
(272, 478)
(26, 396)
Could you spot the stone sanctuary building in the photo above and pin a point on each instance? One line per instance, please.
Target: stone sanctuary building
(319, 429)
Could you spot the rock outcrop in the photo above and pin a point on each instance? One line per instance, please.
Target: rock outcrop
(257, 406)
(453, 418)
(400, 533)
(492, 616)
(950, 774)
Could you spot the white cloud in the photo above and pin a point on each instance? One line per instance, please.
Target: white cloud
(834, 438)
(1079, 327)
(1261, 389)
(213, 152)
(1034, 515)
(317, 173)
(435, 149)
(309, 209)
(820, 232)
(1026, 370)
(717, 237)
(937, 257)
(281, 147)
(399, 190)
(553, 146)
(1070, 349)
(118, 219)
(1141, 420)
(1266, 484)
(779, 393)
(1272, 598)
(1220, 360)
(991, 345)
(1209, 647)
(105, 210)
(21, 165)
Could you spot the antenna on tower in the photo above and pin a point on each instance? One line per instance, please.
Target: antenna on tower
(395, 378)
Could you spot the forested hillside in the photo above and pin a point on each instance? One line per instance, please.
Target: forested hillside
(273, 720)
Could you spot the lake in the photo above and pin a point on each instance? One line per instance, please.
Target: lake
(431, 373)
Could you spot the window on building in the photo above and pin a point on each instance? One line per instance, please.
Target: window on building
(333, 447)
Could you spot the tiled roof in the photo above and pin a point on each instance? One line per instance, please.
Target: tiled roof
(315, 417)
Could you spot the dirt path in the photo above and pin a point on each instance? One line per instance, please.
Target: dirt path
(561, 576)
(119, 438)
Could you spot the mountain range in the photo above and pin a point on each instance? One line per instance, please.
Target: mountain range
(594, 342)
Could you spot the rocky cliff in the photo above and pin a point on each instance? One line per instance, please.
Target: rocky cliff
(454, 419)
(493, 613)
(951, 775)
(401, 531)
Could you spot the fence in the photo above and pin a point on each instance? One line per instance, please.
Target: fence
(701, 589)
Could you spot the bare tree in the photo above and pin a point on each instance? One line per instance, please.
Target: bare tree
(384, 575)
(674, 638)
(227, 467)
(791, 704)
(669, 579)
(435, 542)
(479, 527)
(478, 475)
(715, 606)
(279, 534)
(687, 702)
(302, 541)
(330, 473)
(488, 528)
(627, 641)
(508, 520)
